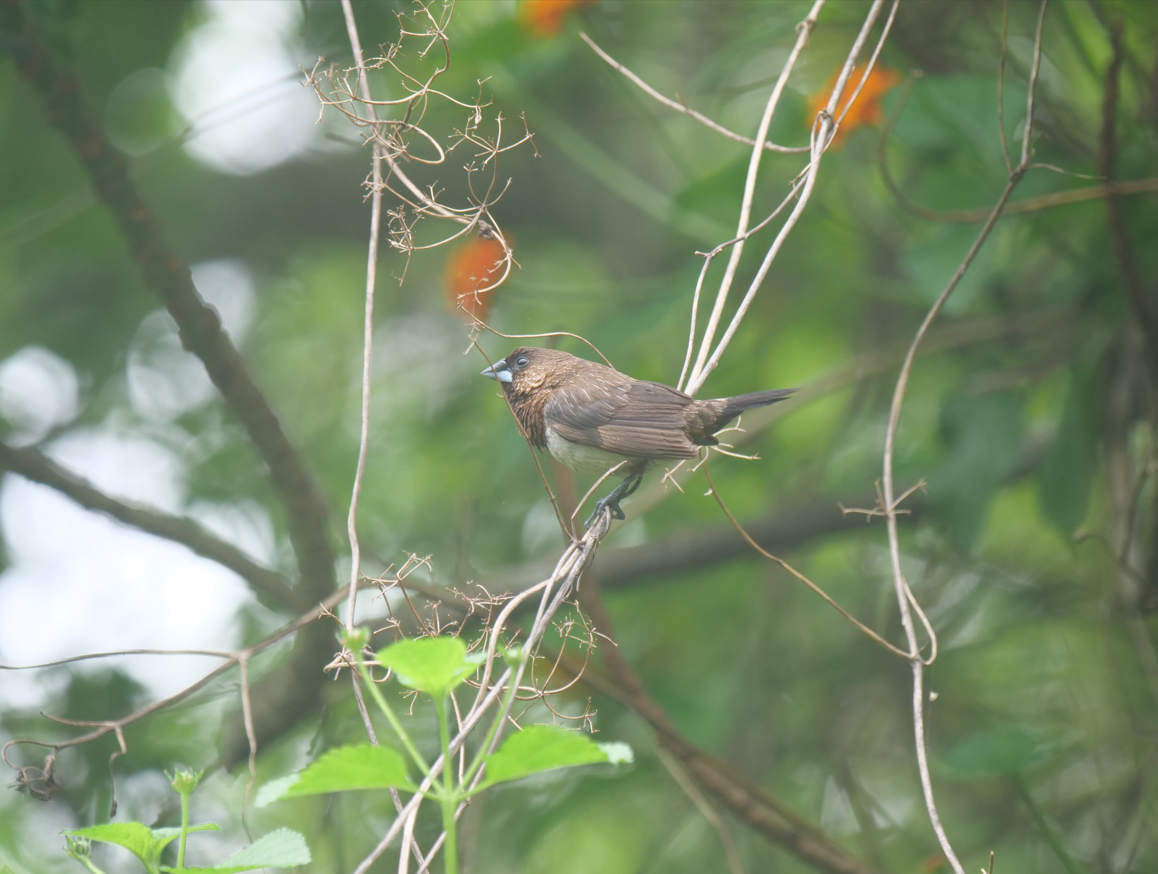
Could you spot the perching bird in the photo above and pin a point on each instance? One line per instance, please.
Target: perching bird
(591, 417)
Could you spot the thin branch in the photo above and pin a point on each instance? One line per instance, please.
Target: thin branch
(38, 467)
(1027, 138)
(1140, 301)
(822, 137)
(1001, 87)
(748, 801)
(681, 107)
(168, 277)
(368, 323)
(860, 626)
(576, 558)
(904, 594)
(803, 31)
(229, 660)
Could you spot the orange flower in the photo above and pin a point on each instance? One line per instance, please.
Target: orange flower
(545, 18)
(866, 110)
(472, 266)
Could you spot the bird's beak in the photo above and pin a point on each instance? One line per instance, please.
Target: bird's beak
(498, 372)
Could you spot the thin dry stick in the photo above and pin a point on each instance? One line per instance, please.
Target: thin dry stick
(368, 328)
(575, 559)
(481, 324)
(709, 257)
(367, 356)
(250, 735)
(1107, 189)
(681, 107)
(902, 588)
(822, 136)
(1001, 87)
(823, 594)
(230, 659)
(804, 30)
(868, 67)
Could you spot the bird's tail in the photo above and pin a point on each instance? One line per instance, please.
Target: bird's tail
(734, 406)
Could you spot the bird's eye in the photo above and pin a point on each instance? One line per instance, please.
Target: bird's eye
(522, 362)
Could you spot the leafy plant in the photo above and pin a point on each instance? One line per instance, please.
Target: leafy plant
(283, 848)
(436, 666)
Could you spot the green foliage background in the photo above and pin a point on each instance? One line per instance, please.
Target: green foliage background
(1030, 416)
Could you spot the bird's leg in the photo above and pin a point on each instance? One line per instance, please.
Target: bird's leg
(621, 491)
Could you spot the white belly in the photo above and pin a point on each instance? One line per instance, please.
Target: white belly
(586, 459)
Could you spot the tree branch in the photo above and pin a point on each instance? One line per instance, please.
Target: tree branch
(699, 548)
(745, 799)
(904, 595)
(169, 278)
(1115, 215)
(38, 467)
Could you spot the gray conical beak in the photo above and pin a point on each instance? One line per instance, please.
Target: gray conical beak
(498, 372)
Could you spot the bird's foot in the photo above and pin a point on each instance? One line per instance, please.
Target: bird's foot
(621, 491)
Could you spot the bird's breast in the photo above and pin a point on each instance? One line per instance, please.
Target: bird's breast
(586, 459)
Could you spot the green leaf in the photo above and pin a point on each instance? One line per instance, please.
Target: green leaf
(140, 840)
(339, 770)
(283, 848)
(167, 834)
(1066, 473)
(434, 665)
(135, 837)
(541, 748)
(994, 753)
(275, 790)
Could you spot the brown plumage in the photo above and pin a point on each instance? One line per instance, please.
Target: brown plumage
(591, 417)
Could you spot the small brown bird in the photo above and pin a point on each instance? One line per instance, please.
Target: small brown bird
(591, 417)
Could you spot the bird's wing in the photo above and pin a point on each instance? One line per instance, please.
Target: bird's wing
(636, 418)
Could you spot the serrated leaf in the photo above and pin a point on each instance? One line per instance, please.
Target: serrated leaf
(135, 837)
(275, 790)
(360, 766)
(434, 665)
(140, 840)
(284, 848)
(168, 833)
(541, 748)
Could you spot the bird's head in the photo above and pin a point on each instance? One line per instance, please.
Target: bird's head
(530, 369)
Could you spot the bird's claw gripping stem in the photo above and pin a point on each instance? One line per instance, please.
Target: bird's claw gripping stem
(621, 491)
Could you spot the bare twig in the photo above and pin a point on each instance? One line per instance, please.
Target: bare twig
(681, 107)
(823, 131)
(368, 319)
(804, 30)
(748, 801)
(904, 595)
(168, 277)
(38, 467)
(570, 567)
(1140, 300)
(815, 588)
(1001, 87)
(102, 728)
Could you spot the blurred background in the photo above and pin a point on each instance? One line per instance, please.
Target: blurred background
(1030, 416)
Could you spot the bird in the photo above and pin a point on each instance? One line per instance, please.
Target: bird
(590, 417)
